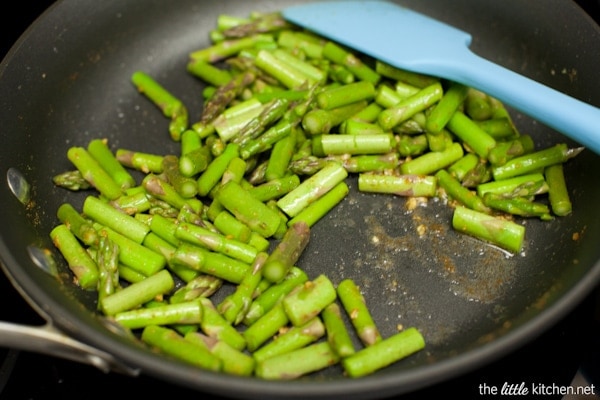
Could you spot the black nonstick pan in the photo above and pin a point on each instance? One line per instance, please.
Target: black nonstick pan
(67, 81)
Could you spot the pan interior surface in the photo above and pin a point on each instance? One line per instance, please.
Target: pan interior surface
(67, 81)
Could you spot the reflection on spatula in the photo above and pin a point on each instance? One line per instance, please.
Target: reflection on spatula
(406, 39)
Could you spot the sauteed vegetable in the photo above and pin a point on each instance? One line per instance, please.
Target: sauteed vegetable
(288, 116)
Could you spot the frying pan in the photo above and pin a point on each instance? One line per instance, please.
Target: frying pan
(66, 81)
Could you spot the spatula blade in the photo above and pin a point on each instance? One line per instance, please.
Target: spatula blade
(386, 31)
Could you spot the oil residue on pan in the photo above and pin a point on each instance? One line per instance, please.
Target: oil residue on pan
(412, 267)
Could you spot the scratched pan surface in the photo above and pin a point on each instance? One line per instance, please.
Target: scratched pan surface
(66, 82)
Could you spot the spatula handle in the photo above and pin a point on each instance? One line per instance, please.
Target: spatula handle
(574, 118)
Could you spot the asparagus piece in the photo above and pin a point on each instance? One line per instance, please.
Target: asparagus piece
(166, 314)
(80, 226)
(266, 300)
(71, 180)
(93, 172)
(134, 254)
(233, 361)
(280, 157)
(291, 339)
(307, 301)
(98, 149)
(399, 185)
(402, 111)
(170, 105)
(265, 327)
(558, 194)
(216, 242)
(336, 144)
(249, 210)
(517, 206)
(346, 94)
(107, 260)
(203, 285)
(84, 268)
(287, 252)
(224, 95)
(228, 48)
(383, 353)
(185, 186)
(140, 161)
(355, 305)
(275, 188)
(297, 363)
(319, 121)
(519, 186)
(105, 214)
(429, 163)
(138, 293)
(214, 172)
(412, 78)
(531, 162)
(471, 134)
(173, 344)
(234, 307)
(443, 111)
(318, 208)
(208, 262)
(503, 233)
(338, 336)
(215, 326)
(354, 64)
(312, 188)
(459, 193)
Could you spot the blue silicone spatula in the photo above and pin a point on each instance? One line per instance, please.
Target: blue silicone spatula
(407, 39)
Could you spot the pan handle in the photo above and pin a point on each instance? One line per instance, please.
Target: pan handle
(47, 339)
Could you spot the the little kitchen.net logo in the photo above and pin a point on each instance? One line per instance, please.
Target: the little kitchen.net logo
(534, 389)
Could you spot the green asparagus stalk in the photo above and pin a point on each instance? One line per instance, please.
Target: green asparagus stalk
(228, 48)
(399, 185)
(383, 353)
(336, 144)
(140, 161)
(138, 293)
(184, 185)
(170, 105)
(71, 180)
(412, 78)
(355, 305)
(265, 327)
(405, 109)
(501, 232)
(208, 262)
(308, 300)
(233, 361)
(531, 162)
(134, 254)
(517, 206)
(235, 306)
(558, 194)
(275, 188)
(471, 134)
(167, 314)
(429, 163)
(170, 342)
(107, 260)
(93, 172)
(203, 285)
(287, 252)
(338, 336)
(248, 209)
(354, 64)
(318, 208)
(525, 185)
(297, 363)
(82, 228)
(292, 339)
(84, 268)
(215, 170)
(312, 188)
(460, 193)
(273, 294)
(214, 325)
(98, 149)
(216, 242)
(105, 214)
(446, 107)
